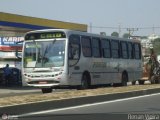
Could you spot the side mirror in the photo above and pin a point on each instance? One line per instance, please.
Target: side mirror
(18, 54)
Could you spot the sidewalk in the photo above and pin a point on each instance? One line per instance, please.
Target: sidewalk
(17, 91)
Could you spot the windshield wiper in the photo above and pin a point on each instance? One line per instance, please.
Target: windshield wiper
(54, 40)
(45, 59)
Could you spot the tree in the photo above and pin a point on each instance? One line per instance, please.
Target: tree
(126, 35)
(156, 46)
(144, 37)
(115, 34)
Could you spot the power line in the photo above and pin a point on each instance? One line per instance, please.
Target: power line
(131, 30)
(104, 27)
(108, 27)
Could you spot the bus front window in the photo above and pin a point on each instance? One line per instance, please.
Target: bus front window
(44, 54)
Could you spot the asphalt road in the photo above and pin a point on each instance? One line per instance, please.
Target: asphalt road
(137, 108)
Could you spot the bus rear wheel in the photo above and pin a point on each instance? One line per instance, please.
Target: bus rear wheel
(46, 90)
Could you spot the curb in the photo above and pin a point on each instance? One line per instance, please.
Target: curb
(40, 106)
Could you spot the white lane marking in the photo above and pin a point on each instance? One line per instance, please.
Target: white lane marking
(85, 105)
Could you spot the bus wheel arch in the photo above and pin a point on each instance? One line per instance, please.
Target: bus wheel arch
(85, 80)
(124, 78)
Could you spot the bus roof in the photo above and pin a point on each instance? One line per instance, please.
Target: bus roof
(83, 33)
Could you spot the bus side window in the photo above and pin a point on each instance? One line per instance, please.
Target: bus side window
(86, 46)
(106, 50)
(115, 49)
(96, 47)
(137, 51)
(130, 51)
(124, 50)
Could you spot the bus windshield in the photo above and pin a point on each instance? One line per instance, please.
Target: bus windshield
(43, 54)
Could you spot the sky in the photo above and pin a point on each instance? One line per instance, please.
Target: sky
(100, 15)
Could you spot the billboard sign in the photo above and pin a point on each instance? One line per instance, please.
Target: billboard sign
(10, 41)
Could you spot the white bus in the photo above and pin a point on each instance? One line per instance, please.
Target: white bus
(59, 57)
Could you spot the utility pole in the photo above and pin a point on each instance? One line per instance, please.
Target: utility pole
(153, 29)
(119, 29)
(131, 30)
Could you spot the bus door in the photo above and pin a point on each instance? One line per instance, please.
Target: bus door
(73, 58)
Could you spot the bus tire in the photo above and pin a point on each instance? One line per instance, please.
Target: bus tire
(84, 82)
(133, 82)
(141, 82)
(124, 79)
(153, 80)
(46, 90)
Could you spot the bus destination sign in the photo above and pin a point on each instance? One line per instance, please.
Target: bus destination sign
(45, 35)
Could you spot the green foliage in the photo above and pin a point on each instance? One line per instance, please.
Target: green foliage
(156, 46)
(115, 34)
(144, 37)
(126, 35)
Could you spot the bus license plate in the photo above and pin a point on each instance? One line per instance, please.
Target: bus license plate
(43, 82)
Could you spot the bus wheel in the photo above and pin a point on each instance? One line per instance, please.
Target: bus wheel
(141, 82)
(153, 80)
(124, 79)
(46, 90)
(84, 82)
(133, 82)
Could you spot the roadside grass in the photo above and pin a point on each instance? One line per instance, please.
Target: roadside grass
(24, 99)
